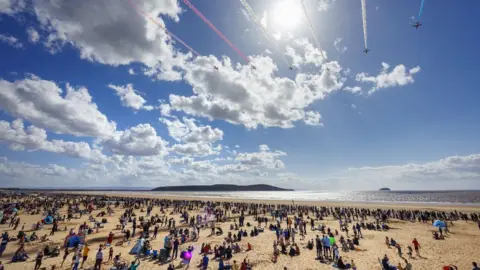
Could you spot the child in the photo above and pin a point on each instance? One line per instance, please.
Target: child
(110, 254)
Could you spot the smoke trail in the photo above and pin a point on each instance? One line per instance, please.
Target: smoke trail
(265, 31)
(311, 30)
(421, 9)
(139, 11)
(364, 18)
(199, 14)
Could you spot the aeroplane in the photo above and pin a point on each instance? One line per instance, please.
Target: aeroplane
(366, 50)
(417, 24)
(254, 67)
(215, 67)
(291, 67)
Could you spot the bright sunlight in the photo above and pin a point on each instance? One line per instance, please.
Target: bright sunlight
(287, 14)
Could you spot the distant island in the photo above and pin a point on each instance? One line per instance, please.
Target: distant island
(221, 188)
(385, 189)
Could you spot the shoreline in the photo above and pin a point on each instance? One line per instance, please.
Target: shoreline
(382, 205)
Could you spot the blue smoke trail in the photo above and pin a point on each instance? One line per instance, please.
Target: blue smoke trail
(421, 9)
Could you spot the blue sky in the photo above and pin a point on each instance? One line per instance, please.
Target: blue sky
(143, 111)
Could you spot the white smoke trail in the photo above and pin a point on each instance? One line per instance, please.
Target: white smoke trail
(265, 31)
(364, 18)
(313, 32)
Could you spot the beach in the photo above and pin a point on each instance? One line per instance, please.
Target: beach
(459, 247)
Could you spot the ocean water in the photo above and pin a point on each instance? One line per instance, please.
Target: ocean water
(434, 197)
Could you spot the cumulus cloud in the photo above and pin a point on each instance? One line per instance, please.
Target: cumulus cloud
(33, 36)
(111, 32)
(263, 159)
(129, 97)
(11, 40)
(242, 96)
(196, 149)
(32, 138)
(354, 89)
(45, 105)
(188, 131)
(399, 76)
(10, 7)
(140, 140)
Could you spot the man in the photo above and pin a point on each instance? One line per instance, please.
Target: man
(176, 243)
(475, 267)
(38, 260)
(318, 243)
(99, 258)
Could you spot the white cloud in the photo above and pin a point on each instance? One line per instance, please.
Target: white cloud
(11, 40)
(131, 71)
(237, 146)
(196, 149)
(129, 97)
(338, 45)
(264, 159)
(297, 60)
(113, 36)
(267, 51)
(45, 105)
(10, 7)
(140, 140)
(324, 5)
(240, 95)
(313, 118)
(451, 172)
(189, 132)
(399, 76)
(32, 138)
(263, 148)
(354, 89)
(33, 35)
(353, 106)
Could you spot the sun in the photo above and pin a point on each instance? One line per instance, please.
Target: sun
(287, 14)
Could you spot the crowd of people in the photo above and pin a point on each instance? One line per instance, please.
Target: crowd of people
(182, 221)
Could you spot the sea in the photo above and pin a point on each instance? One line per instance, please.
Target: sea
(465, 197)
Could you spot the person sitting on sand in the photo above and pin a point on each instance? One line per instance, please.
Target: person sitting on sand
(475, 266)
(249, 246)
(292, 252)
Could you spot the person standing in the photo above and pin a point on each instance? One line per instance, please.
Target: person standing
(86, 249)
(176, 243)
(416, 246)
(4, 242)
(76, 259)
(318, 243)
(38, 260)
(99, 258)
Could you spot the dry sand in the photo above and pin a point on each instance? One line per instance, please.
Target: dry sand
(461, 247)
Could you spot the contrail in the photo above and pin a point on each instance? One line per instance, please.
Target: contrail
(139, 11)
(364, 18)
(313, 32)
(265, 31)
(421, 9)
(199, 14)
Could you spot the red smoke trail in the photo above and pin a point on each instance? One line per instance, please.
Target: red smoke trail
(163, 27)
(199, 14)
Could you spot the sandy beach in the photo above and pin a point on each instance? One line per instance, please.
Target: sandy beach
(459, 247)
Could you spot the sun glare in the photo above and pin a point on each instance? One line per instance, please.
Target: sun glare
(287, 14)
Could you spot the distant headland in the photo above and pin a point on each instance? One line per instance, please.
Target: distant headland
(385, 189)
(221, 188)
